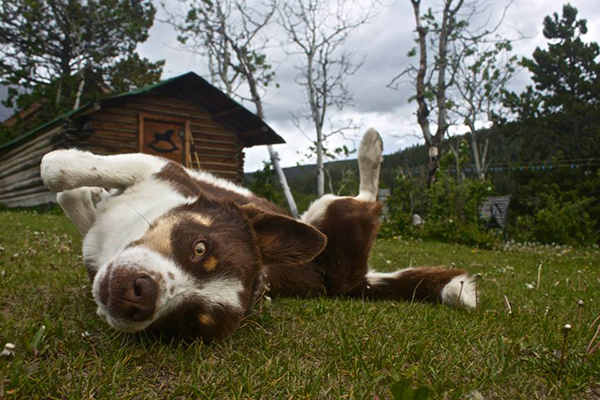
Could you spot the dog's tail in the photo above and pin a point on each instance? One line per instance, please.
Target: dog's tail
(453, 287)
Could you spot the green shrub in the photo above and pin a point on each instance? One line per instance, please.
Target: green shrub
(450, 210)
(448, 199)
(560, 221)
(405, 199)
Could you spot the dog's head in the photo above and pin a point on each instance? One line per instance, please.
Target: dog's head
(199, 268)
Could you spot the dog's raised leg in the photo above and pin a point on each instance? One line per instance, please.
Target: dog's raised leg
(71, 169)
(80, 206)
(369, 164)
(351, 224)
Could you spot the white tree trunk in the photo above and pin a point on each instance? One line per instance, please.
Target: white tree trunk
(283, 181)
(79, 93)
(320, 167)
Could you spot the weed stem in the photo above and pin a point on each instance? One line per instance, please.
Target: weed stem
(566, 330)
(591, 348)
(539, 276)
(508, 307)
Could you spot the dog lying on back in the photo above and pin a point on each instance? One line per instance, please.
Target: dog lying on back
(176, 249)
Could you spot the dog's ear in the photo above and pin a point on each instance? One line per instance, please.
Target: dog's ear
(283, 240)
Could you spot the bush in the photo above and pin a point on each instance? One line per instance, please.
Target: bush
(559, 221)
(405, 199)
(450, 209)
(460, 201)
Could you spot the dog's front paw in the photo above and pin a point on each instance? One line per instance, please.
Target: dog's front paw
(60, 169)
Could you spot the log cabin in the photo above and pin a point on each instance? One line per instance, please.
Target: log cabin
(185, 119)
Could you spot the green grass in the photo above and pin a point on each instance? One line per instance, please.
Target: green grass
(321, 348)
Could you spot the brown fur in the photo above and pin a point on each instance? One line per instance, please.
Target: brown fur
(295, 280)
(340, 269)
(175, 175)
(351, 227)
(196, 319)
(185, 184)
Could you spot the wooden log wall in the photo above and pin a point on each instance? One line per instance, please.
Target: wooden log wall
(115, 130)
(20, 182)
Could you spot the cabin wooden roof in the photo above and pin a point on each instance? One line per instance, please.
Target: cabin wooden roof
(252, 130)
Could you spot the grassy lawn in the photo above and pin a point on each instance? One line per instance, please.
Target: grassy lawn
(323, 348)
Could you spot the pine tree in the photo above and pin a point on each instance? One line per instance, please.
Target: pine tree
(560, 114)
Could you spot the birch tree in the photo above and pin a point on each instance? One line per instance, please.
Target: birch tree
(432, 79)
(318, 31)
(445, 40)
(228, 35)
(481, 79)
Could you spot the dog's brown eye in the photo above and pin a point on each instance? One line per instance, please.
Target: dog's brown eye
(199, 249)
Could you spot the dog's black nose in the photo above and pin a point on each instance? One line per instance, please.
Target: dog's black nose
(139, 298)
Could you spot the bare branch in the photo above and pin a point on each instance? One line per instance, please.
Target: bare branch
(318, 31)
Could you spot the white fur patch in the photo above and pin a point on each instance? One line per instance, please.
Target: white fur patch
(460, 291)
(317, 209)
(221, 292)
(375, 278)
(80, 206)
(173, 287)
(218, 182)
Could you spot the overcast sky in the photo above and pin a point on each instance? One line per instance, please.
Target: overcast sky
(383, 43)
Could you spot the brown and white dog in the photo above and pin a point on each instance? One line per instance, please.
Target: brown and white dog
(172, 248)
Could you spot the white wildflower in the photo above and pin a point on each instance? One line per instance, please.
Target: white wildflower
(9, 350)
(267, 302)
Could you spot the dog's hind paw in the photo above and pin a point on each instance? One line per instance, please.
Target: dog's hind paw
(369, 162)
(370, 150)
